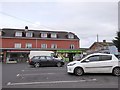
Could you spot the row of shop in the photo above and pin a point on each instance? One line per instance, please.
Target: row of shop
(19, 56)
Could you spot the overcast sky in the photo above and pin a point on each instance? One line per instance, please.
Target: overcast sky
(85, 19)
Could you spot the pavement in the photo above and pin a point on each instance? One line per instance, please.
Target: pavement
(21, 75)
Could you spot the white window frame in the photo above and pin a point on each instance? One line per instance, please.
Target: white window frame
(18, 34)
(17, 45)
(71, 36)
(53, 46)
(28, 45)
(44, 46)
(29, 34)
(43, 35)
(72, 46)
(53, 35)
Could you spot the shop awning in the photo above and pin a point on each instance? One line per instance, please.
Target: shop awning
(69, 51)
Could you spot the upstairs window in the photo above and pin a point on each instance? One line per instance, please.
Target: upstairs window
(43, 45)
(43, 35)
(28, 45)
(29, 34)
(17, 45)
(53, 46)
(72, 46)
(18, 34)
(53, 35)
(70, 36)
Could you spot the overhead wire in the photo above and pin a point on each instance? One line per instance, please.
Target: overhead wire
(6, 14)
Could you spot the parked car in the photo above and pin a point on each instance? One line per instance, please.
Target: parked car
(38, 61)
(11, 60)
(95, 63)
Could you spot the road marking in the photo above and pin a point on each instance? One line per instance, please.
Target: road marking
(18, 75)
(50, 82)
(36, 74)
(23, 70)
(9, 83)
(39, 69)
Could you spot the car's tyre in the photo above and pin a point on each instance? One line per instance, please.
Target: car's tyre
(116, 71)
(78, 71)
(59, 64)
(36, 65)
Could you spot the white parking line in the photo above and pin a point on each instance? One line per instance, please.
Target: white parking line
(50, 82)
(35, 74)
(39, 69)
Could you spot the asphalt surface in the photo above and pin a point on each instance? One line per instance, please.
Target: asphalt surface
(23, 76)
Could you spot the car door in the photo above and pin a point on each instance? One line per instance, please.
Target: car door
(43, 61)
(36, 59)
(105, 63)
(50, 61)
(91, 64)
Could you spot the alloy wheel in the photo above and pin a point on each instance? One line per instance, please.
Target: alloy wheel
(116, 71)
(59, 64)
(79, 71)
(37, 65)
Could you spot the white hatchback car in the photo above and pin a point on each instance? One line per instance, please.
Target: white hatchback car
(95, 63)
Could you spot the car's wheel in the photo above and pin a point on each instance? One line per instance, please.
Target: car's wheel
(37, 65)
(79, 71)
(59, 64)
(116, 71)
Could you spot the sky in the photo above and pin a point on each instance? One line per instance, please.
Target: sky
(85, 19)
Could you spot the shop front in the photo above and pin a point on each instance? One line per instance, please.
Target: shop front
(15, 56)
(1, 56)
(68, 55)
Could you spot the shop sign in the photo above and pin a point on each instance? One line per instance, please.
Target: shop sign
(69, 51)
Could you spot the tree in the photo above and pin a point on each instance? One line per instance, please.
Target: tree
(116, 41)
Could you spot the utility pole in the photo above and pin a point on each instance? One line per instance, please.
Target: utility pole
(97, 38)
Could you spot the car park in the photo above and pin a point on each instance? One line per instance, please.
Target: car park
(95, 63)
(38, 61)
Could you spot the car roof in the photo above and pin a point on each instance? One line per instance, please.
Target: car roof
(99, 54)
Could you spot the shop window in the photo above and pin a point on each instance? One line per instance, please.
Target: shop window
(17, 45)
(43, 45)
(28, 45)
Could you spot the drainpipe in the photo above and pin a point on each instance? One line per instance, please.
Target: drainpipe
(36, 42)
(4, 56)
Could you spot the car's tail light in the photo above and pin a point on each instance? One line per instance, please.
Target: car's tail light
(29, 60)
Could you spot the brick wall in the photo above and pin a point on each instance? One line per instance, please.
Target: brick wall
(62, 44)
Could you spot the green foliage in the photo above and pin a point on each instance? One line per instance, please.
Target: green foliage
(116, 41)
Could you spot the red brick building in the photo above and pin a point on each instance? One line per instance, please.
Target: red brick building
(23, 40)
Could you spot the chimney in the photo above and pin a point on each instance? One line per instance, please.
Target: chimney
(26, 28)
(104, 41)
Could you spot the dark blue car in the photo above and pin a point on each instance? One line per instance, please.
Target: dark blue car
(38, 61)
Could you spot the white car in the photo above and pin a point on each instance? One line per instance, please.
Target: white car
(95, 63)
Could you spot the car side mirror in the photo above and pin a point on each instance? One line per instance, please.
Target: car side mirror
(87, 60)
